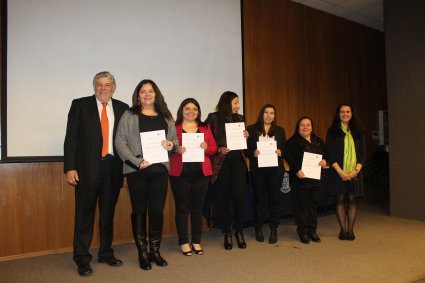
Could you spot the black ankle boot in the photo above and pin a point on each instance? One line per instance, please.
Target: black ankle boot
(228, 241)
(154, 254)
(259, 234)
(304, 237)
(240, 239)
(315, 238)
(139, 233)
(273, 234)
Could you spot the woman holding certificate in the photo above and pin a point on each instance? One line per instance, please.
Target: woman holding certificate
(304, 153)
(346, 149)
(146, 134)
(229, 168)
(265, 147)
(190, 172)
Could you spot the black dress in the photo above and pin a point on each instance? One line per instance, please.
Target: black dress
(335, 150)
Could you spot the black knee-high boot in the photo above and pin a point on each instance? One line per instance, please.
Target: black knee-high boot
(155, 234)
(139, 233)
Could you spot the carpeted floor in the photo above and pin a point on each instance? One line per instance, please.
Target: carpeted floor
(386, 249)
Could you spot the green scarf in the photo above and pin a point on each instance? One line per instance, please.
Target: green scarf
(350, 159)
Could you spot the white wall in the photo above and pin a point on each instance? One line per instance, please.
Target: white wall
(190, 48)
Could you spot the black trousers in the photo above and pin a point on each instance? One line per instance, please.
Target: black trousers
(105, 192)
(148, 192)
(266, 187)
(305, 200)
(189, 195)
(231, 190)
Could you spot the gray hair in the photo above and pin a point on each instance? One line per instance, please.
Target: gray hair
(104, 75)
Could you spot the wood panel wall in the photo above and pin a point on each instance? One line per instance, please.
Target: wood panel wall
(303, 61)
(37, 211)
(306, 62)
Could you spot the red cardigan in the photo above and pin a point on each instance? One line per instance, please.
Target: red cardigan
(176, 164)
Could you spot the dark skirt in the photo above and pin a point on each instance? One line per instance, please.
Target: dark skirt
(336, 186)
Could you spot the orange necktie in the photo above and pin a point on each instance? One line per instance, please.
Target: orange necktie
(105, 130)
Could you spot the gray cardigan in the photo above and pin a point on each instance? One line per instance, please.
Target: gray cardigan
(129, 145)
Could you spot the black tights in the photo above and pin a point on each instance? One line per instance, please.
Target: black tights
(346, 212)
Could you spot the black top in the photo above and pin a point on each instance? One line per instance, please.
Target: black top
(192, 169)
(254, 135)
(219, 133)
(153, 123)
(294, 154)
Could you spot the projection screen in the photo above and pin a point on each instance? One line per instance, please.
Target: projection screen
(190, 48)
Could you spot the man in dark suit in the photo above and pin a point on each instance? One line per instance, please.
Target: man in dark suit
(94, 168)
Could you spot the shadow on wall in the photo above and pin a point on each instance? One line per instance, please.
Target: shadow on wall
(376, 178)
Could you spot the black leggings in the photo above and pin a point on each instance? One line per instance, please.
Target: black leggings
(267, 188)
(148, 192)
(231, 190)
(189, 195)
(305, 200)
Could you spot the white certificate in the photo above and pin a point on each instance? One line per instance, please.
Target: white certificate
(310, 166)
(152, 149)
(234, 136)
(192, 143)
(267, 156)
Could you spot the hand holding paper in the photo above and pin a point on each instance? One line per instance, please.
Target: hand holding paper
(267, 156)
(235, 136)
(152, 148)
(310, 166)
(192, 142)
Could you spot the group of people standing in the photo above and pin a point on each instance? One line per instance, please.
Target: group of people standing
(103, 144)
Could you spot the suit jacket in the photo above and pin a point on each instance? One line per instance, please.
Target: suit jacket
(280, 138)
(83, 141)
(176, 163)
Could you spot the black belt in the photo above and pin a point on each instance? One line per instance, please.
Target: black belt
(107, 157)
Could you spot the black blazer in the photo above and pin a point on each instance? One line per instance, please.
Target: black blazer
(335, 151)
(83, 141)
(280, 138)
(294, 154)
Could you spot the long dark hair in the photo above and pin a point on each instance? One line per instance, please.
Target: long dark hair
(260, 121)
(354, 124)
(159, 104)
(224, 112)
(179, 118)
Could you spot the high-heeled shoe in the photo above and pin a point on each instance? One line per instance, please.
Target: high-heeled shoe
(273, 234)
(228, 241)
(186, 253)
(351, 237)
(198, 252)
(315, 238)
(240, 240)
(259, 234)
(304, 238)
(342, 236)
